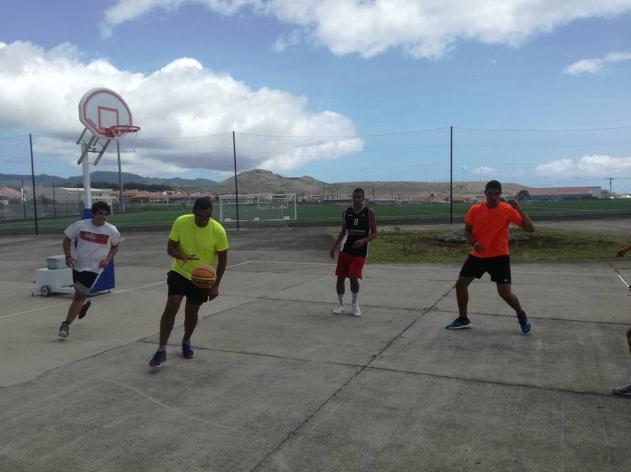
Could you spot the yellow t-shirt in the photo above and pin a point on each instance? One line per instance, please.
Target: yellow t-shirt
(204, 242)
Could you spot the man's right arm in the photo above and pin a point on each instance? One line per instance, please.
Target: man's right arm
(468, 233)
(623, 251)
(468, 228)
(173, 250)
(67, 245)
(338, 241)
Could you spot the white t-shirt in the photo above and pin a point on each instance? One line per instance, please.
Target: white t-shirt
(92, 243)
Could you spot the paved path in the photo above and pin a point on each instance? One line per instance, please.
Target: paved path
(281, 384)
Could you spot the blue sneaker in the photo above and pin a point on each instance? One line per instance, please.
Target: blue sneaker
(159, 358)
(459, 323)
(524, 323)
(624, 391)
(187, 351)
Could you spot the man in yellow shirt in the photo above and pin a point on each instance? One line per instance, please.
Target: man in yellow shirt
(195, 239)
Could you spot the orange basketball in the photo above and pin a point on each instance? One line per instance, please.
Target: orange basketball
(203, 276)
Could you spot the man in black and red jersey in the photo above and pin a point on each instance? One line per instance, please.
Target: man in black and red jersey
(359, 228)
(95, 242)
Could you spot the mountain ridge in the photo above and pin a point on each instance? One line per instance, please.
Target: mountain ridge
(264, 181)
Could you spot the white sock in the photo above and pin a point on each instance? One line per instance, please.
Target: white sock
(354, 297)
(340, 299)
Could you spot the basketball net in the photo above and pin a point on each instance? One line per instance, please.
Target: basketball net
(126, 137)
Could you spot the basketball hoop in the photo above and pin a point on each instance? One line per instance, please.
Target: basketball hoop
(106, 117)
(118, 131)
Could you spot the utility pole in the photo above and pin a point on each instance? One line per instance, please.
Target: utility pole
(23, 200)
(451, 175)
(611, 179)
(121, 201)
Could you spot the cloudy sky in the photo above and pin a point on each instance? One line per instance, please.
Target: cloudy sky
(538, 91)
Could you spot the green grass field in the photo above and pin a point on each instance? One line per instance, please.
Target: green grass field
(543, 245)
(331, 213)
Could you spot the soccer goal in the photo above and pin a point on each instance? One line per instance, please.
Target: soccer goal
(258, 207)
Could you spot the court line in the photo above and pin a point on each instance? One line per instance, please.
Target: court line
(33, 310)
(47, 307)
(626, 284)
(167, 407)
(139, 286)
(450, 269)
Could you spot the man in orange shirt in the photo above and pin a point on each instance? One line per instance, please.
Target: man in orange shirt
(486, 229)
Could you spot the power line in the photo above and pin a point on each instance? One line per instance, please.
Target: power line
(548, 130)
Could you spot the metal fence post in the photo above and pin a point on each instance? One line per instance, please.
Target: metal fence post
(30, 140)
(236, 186)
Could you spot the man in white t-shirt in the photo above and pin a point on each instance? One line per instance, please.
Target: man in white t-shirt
(95, 243)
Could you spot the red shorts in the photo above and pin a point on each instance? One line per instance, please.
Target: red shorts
(349, 265)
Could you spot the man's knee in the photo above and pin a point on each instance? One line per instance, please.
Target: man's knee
(172, 306)
(462, 283)
(504, 290)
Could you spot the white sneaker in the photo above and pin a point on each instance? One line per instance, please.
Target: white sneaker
(339, 310)
(356, 311)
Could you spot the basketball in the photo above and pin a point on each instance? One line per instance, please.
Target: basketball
(203, 276)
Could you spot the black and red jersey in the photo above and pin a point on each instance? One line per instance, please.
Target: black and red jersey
(357, 227)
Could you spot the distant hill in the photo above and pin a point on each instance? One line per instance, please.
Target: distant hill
(264, 181)
(13, 180)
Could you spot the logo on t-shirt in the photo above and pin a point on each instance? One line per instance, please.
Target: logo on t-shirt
(96, 238)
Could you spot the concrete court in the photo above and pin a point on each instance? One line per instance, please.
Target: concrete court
(281, 384)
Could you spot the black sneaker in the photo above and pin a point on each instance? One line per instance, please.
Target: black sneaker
(64, 329)
(84, 309)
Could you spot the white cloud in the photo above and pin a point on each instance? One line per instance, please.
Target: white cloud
(40, 91)
(595, 65)
(594, 165)
(127, 10)
(484, 170)
(293, 38)
(422, 28)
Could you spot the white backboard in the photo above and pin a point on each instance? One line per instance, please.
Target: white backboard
(102, 108)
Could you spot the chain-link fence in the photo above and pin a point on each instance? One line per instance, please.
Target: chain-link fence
(415, 176)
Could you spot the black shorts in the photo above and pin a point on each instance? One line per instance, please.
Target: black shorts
(84, 280)
(497, 267)
(180, 285)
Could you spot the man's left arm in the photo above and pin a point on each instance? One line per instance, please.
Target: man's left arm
(526, 222)
(373, 225)
(222, 261)
(110, 255)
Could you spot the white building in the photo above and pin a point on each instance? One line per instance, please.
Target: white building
(64, 195)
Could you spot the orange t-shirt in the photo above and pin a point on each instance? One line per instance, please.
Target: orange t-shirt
(490, 227)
